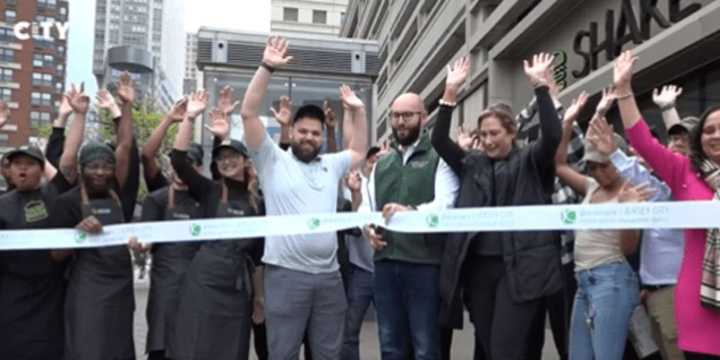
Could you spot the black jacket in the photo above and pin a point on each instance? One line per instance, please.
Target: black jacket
(525, 177)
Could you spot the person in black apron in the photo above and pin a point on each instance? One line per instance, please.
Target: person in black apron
(31, 281)
(170, 261)
(214, 314)
(32, 284)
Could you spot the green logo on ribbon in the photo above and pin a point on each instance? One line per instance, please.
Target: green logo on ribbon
(568, 217)
(195, 229)
(80, 237)
(432, 220)
(313, 223)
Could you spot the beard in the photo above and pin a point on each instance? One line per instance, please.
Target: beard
(410, 138)
(303, 154)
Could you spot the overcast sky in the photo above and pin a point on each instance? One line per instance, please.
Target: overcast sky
(245, 15)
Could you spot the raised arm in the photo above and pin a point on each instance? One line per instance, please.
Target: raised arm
(622, 78)
(4, 114)
(665, 100)
(358, 135)
(80, 104)
(275, 56)
(448, 150)
(567, 174)
(126, 93)
(198, 185)
(151, 147)
(56, 142)
(282, 115)
(538, 73)
(330, 126)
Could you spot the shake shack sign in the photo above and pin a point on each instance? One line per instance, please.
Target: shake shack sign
(632, 22)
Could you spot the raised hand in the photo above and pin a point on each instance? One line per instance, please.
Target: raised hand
(178, 110)
(465, 139)
(623, 72)
(606, 101)
(330, 117)
(284, 111)
(105, 100)
(79, 102)
(666, 97)
(601, 135)
(275, 54)
(219, 124)
(197, 103)
(457, 73)
(126, 89)
(226, 101)
(65, 109)
(639, 193)
(574, 110)
(353, 181)
(4, 113)
(538, 69)
(349, 98)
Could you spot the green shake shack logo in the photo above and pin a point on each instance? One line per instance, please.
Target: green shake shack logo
(80, 237)
(432, 220)
(195, 229)
(568, 217)
(313, 223)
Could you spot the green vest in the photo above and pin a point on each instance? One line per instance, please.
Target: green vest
(409, 184)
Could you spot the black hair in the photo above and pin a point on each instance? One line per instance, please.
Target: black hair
(371, 152)
(697, 156)
(310, 111)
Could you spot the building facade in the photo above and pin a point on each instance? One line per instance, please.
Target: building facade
(155, 26)
(315, 74)
(191, 70)
(305, 17)
(33, 56)
(676, 41)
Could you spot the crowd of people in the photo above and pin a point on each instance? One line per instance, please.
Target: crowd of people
(314, 290)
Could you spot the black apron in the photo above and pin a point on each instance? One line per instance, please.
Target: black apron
(32, 288)
(169, 264)
(214, 314)
(100, 300)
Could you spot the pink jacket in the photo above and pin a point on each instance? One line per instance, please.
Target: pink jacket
(698, 327)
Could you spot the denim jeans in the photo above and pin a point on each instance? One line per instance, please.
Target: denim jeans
(359, 296)
(407, 299)
(604, 302)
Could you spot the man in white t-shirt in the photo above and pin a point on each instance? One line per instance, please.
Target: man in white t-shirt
(303, 287)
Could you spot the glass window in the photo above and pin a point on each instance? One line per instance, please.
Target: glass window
(6, 94)
(290, 14)
(10, 16)
(319, 17)
(6, 75)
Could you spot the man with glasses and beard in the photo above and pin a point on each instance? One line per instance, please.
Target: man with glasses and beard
(303, 287)
(411, 177)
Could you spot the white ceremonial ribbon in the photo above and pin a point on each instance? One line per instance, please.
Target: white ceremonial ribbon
(678, 215)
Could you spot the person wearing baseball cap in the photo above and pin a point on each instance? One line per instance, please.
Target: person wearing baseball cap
(219, 286)
(679, 135)
(32, 284)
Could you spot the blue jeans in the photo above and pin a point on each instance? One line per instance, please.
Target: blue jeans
(604, 302)
(359, 296)
(407, 299)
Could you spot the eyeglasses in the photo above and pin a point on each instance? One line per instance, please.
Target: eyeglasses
(404, 115)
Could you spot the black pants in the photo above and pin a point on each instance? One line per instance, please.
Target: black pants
(696, 356)
(504, 329)
(559, 309)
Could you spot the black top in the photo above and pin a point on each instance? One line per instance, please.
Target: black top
(209, 194)
(55, 145)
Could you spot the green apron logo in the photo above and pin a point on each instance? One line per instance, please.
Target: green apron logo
(432, 220)
(35, 211)
(80, 237)
(568, 217)
(195, 229)
(313, 223)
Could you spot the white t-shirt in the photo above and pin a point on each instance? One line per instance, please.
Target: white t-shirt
(292, 187)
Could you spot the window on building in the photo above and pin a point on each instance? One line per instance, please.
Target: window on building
(7, 55)
(36, 98)
(319, 17)
(6, 94)
(290, 14)
(6, 75)
(10, 16)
